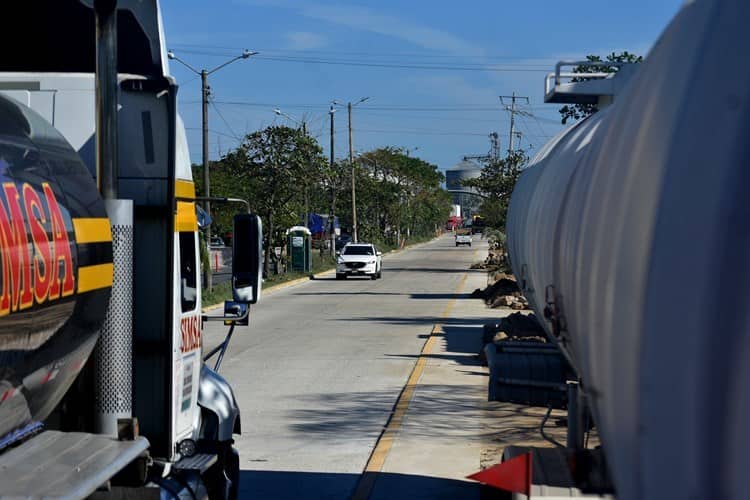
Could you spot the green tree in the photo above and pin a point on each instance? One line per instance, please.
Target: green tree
(398, 196)
(495, 185)
(271, 169)
(578, 111)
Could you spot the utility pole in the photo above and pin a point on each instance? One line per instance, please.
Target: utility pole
(354, 186)
(333, 187)
(512, 109)
(205, 93)
(351, 163)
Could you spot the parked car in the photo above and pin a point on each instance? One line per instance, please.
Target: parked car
(359, 259)
(216, 242)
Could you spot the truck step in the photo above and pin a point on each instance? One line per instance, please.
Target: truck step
(66, 465)
(199, 463)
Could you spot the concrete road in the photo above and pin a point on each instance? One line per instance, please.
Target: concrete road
(319, 369)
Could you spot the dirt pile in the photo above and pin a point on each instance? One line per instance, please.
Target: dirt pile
(517, 326)
(504, 292)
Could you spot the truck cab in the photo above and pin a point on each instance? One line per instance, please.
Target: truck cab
(149, 366)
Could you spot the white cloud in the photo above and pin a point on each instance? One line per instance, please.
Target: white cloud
(305, 40)
(365, 19)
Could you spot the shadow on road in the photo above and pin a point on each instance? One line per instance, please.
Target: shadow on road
(283, 485)
(338, 417)
(421, 320)
(431, 270)
(348, 293)
(440, 296)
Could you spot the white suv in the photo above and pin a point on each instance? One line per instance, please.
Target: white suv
(359, 259)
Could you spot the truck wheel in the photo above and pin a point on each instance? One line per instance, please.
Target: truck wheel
(374, 276)
(469, 244)
(340, 276)
(380, 274)
(457, 244)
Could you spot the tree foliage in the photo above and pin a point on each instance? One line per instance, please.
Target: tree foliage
(578, 111)
(495, 185)
(276, 169)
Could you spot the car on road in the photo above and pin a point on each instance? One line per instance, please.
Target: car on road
(463, 237)
(359, 259)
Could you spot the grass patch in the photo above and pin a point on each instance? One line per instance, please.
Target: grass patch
(220, 293)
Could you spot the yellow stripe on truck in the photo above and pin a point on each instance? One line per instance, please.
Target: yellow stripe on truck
(185, 220)
(95, 277)
(184, 189)
(92, 230)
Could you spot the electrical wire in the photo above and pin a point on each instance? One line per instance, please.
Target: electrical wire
(226, 123)
(365, 53)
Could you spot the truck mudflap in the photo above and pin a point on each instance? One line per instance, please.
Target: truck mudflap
(65, 464)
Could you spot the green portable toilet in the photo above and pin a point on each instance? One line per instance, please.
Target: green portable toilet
(299, 248)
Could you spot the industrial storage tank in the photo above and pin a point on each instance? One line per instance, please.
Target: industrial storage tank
(462, 195)
(632, 231)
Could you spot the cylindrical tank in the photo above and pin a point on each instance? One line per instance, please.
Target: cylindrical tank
(636, 224)
(55, 267)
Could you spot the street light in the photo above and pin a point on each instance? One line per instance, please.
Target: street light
(301, 123)
(205, 92)
(351, 162)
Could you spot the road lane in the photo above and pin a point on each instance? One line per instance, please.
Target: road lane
(319, 369)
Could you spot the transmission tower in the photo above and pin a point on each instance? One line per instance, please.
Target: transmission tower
(494, 152)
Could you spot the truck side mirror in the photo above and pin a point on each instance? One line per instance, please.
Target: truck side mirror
(247, 258)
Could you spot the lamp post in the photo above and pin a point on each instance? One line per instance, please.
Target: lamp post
(303, 126)
(351, 162)
(205, 92)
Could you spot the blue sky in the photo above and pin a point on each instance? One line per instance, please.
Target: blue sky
(432, 70)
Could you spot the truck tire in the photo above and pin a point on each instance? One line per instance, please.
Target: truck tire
(457, 243)
(340, 276)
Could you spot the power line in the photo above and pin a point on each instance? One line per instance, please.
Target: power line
(493, 69)
(220, 51)
(421, 65)
(216, 108)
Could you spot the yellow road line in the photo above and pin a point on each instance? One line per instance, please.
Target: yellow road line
(92, 230)
(385, 441)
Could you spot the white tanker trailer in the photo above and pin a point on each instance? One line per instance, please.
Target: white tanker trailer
(630, 235)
